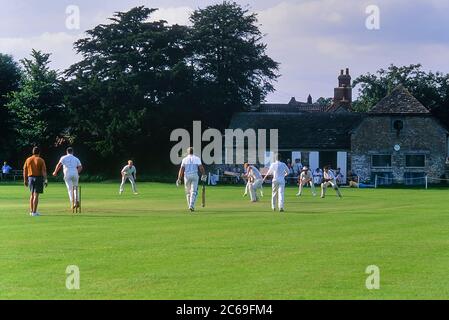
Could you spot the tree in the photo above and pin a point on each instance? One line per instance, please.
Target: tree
(9, 81)
(324, 101)
(36, 106)
(132, 78)
(230, 61)
(431, 89)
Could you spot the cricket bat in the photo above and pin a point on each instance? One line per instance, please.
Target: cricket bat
(203, 194)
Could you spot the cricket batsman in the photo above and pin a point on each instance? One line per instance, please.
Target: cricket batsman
(279, 171)
(129, 173)
(189, 170)
(72, 168)
(306, 178)
(329, 180)
(255, 181)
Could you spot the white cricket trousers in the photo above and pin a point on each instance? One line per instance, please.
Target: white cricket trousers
(312, 187)
(71, 180)
(133, 183)
(191, 188)
(253, 187)
(325, 185)
(277, 194)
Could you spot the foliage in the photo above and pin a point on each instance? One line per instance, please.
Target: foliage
(36, 106)
(9, 81)
(431, 89)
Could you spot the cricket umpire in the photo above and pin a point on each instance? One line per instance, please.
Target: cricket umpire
(35, 177)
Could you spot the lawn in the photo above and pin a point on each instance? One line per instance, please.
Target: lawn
(149, 247)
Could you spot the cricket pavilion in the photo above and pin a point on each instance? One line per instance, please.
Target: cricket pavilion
(398, 140)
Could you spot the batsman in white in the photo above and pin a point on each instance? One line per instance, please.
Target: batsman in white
(329, 180)
(72, 168)
(279, 171)
(129, 173)
(306, 178)
(189, 170)
(255, 181)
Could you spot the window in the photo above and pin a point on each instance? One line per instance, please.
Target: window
(415, 161)
(381, 161)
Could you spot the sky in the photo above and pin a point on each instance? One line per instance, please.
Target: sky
(311, 39)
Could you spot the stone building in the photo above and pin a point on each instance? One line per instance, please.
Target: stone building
(398, 139)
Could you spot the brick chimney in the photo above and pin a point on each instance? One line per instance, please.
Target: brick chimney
(343, 93)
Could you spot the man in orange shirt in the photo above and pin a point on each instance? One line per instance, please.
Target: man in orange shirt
(35, 177)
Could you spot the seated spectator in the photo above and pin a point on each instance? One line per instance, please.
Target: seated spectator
(317, 176)
(6, 170)
(339, 176)
(297, 167)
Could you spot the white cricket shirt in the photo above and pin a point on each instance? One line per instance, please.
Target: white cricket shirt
(278, 170)
(70, 164)
(191, 164)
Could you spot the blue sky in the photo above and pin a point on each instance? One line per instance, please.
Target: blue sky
(312, 39)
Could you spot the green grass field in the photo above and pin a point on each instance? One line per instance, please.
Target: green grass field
(149, 247)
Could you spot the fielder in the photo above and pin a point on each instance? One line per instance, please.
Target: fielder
(279, 171)
(255, 181)
(189, 170)
(72, 169)
(329, 180)
(129, 173)
(304, 179)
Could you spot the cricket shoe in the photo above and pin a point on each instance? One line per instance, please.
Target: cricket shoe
(281, 210)
(192, 209)
(298, 194)
(35, 214)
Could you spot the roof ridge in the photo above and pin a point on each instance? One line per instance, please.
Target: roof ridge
(399, 101)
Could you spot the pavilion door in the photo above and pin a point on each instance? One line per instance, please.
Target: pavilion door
(296, 155)
(269, 158)
(314, 160)
(328, 158)
(342, 159)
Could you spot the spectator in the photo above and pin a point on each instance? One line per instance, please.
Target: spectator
(353, 180)
(290, 172)
(317, 176)
(6, 170)
(297, 167)
(339, 176)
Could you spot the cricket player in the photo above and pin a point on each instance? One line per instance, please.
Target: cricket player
(129, 173)
(189, 170)
(306, 178)
(72, 168)
(279, 171)
(255, 181)
(329, 180)
(35, 177)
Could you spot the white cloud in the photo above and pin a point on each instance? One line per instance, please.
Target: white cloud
(58, 44)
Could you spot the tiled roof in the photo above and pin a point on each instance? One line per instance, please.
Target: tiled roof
(399, 101)
(313, 131)
(291, 107)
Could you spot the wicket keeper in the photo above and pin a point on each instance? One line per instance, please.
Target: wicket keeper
(329, 180)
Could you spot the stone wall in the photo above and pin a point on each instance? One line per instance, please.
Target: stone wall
(420, 135)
